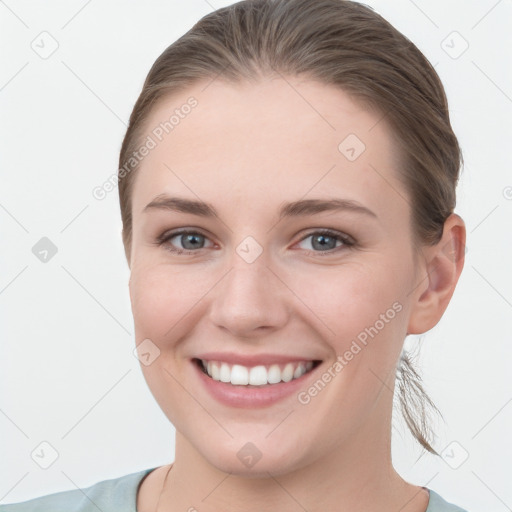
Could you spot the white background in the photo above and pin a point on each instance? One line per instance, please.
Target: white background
(68, 374)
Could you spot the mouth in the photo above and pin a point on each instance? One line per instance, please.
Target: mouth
(255, 376)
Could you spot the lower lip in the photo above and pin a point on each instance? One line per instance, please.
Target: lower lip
(251, 396)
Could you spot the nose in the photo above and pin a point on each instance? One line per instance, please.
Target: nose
(250, 300)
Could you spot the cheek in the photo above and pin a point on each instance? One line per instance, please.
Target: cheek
(366, 309)
(160, 297)
(355, 297)
(364, 306)
(160, 306)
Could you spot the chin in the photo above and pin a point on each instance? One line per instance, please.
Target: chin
(253, 459)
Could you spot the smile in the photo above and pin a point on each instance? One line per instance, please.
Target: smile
(260, 375)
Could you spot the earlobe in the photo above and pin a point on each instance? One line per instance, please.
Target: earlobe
(444, 262)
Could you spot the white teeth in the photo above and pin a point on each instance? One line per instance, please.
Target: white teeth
(225, 373)
(287, 374)
(274, 374)
(300, 370)
(215, 371)
(239, 375)
(257, 375)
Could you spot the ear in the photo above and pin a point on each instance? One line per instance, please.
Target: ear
(441, 265)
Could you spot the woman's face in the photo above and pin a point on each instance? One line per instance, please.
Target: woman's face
(255, 283)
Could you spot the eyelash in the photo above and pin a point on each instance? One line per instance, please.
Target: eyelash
(346, 240)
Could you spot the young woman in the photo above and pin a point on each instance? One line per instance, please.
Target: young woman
(287, 189)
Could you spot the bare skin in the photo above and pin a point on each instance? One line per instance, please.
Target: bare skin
(247, 149)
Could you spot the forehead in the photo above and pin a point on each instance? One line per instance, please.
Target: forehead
(272, 141)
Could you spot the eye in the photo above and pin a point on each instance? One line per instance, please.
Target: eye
(190, 241)
(326, 240)
(322, 241)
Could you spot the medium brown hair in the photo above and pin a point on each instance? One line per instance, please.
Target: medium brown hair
(339, 43)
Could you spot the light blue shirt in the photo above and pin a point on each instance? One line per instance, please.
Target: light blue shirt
(120, 495)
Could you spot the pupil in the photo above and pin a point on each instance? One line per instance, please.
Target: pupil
(322, 244)
(189, 239)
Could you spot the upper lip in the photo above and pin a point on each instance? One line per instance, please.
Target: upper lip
(252, 360)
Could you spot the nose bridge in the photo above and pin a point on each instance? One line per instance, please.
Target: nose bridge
(250, 296)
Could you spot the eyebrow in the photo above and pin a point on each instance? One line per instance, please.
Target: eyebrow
(299, 208)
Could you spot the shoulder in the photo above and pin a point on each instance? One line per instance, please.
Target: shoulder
(436, 504)
(114, 495)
